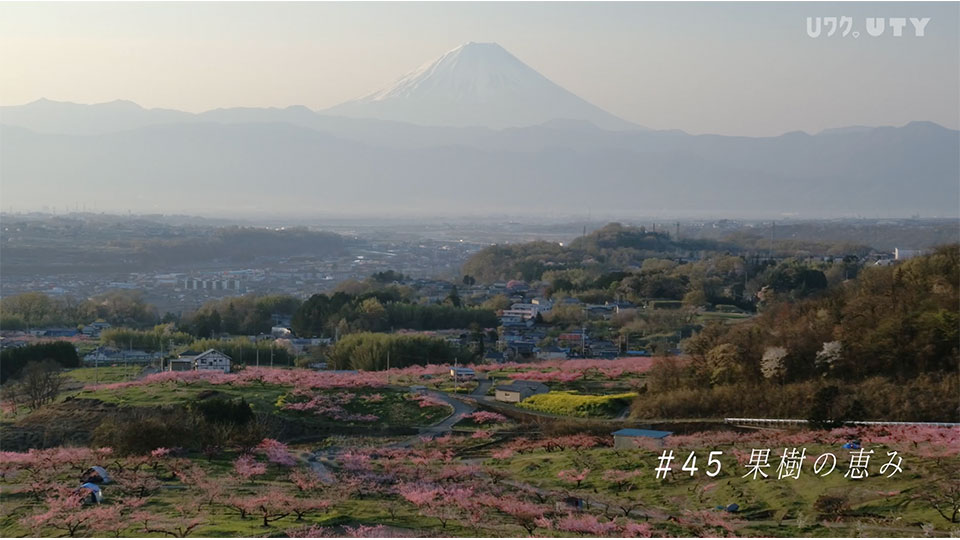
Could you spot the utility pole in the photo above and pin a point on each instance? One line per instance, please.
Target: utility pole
(257, 348)
(746, 271)
(773, 233)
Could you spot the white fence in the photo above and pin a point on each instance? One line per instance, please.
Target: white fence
(798, 422)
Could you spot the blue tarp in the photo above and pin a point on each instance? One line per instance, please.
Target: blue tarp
(651, 433)
(94, 491)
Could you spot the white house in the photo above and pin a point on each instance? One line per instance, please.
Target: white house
(527, 311)
(212, 360)
(209, 360)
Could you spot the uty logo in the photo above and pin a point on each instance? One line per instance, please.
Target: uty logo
(874, 26)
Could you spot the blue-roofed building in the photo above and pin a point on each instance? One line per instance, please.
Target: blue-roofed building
(60, 332)
(631, 438)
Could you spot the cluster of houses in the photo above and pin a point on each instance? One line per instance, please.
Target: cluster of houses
(523, 327)
(524, 335)
(15, 338)
(522, 344)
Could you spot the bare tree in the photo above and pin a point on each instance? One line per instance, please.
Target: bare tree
(943, 493)
(39, 383)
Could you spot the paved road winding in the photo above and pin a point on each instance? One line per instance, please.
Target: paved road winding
(483, 386)
(460, 409)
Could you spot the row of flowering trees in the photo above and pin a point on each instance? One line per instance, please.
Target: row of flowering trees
(441, 487)
(49, 478)
(428, 480)
(546, 371)
(567, 371)
(267, 486)
(297, 378)
(332, 405)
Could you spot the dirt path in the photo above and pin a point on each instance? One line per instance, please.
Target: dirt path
(317, 462)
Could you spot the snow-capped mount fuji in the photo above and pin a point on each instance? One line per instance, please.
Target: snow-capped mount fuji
(477, 84)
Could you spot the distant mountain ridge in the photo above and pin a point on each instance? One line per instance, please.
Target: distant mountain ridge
(573, 161)
(276, 167)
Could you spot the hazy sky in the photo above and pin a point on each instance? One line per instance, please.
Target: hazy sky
(731, 68)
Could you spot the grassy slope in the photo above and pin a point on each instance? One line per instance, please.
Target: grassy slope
(759, 499)
(394, 410)
(71, 422)
(104, 374)
(261, 396)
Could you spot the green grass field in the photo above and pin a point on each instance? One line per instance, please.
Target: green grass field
(394, 410)
(261, 396)
(104, 374)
